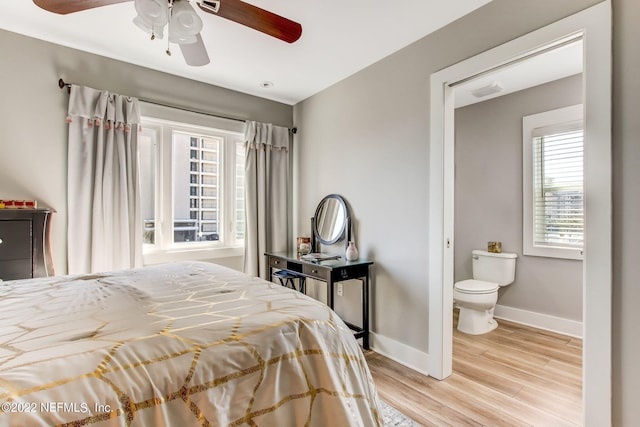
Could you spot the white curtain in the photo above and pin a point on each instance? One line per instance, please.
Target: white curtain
(267, 188)
(105, 227)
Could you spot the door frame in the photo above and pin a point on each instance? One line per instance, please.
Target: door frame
(594, 24)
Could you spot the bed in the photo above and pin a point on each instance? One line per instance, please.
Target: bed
(179, 344)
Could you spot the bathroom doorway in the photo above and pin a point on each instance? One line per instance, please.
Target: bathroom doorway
(516, 363)
(593, 27)
(492, 184)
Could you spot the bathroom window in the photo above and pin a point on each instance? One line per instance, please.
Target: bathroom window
(553, 183)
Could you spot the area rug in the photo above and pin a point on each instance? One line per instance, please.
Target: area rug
(392, 417)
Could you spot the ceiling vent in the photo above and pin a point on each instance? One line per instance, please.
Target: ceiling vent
(486, 90)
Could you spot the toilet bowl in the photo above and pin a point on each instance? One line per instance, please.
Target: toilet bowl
(476, 298)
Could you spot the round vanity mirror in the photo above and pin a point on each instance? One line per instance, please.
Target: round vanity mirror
(330, 221)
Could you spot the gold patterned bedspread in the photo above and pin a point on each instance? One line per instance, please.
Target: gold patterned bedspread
(183, 344)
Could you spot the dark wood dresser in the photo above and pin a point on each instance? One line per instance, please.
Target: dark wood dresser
(24, 243)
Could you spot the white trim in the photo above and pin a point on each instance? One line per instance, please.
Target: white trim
(177, 115)
(594, 24)
(441, 229)
(160, 256)
(546, 322)
(399, 352)
(598, 270)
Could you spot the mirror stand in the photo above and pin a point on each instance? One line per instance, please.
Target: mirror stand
(331, 222)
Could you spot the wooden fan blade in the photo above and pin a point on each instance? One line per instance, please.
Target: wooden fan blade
(195, 54)
(64, 7)
(256, 18)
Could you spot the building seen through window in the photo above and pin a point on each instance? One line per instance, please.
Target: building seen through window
(199, 184)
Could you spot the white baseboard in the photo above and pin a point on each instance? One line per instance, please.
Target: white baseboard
(541, 321)
(401, 353)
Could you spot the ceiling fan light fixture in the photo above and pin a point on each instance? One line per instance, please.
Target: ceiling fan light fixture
(184, 23)
(152, 16)
(155, 13)
(182, 40)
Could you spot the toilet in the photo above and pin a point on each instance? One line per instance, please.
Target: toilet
(477, 297)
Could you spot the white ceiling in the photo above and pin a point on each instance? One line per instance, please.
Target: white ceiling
(338, 39)
(557, 63)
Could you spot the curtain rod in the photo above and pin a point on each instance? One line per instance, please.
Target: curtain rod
(62, 84)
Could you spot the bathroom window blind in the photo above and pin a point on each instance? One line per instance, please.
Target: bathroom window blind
(558, 189)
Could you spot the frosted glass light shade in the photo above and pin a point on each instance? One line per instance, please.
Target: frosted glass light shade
(184, 23)
(153, 12)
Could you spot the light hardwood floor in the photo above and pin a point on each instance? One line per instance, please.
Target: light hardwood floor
(513, 376)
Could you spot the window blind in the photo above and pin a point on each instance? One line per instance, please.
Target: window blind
(558, 181)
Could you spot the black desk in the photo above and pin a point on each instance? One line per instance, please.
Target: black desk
(330, 272)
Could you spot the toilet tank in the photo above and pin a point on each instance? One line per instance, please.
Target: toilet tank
(498, 268)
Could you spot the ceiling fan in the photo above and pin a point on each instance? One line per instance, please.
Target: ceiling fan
(184, 24)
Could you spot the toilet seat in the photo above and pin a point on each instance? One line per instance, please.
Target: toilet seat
(472, 286)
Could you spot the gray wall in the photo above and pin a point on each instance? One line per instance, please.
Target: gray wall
(33, 132)
(366, 138)
(488, 198)
(372, 128)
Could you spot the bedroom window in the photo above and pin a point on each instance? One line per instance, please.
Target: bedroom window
(192, 180)
(553, 183)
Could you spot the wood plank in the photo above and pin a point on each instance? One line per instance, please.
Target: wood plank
(404, 388)
(567, 409)
(505, 409)
(474, 369)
